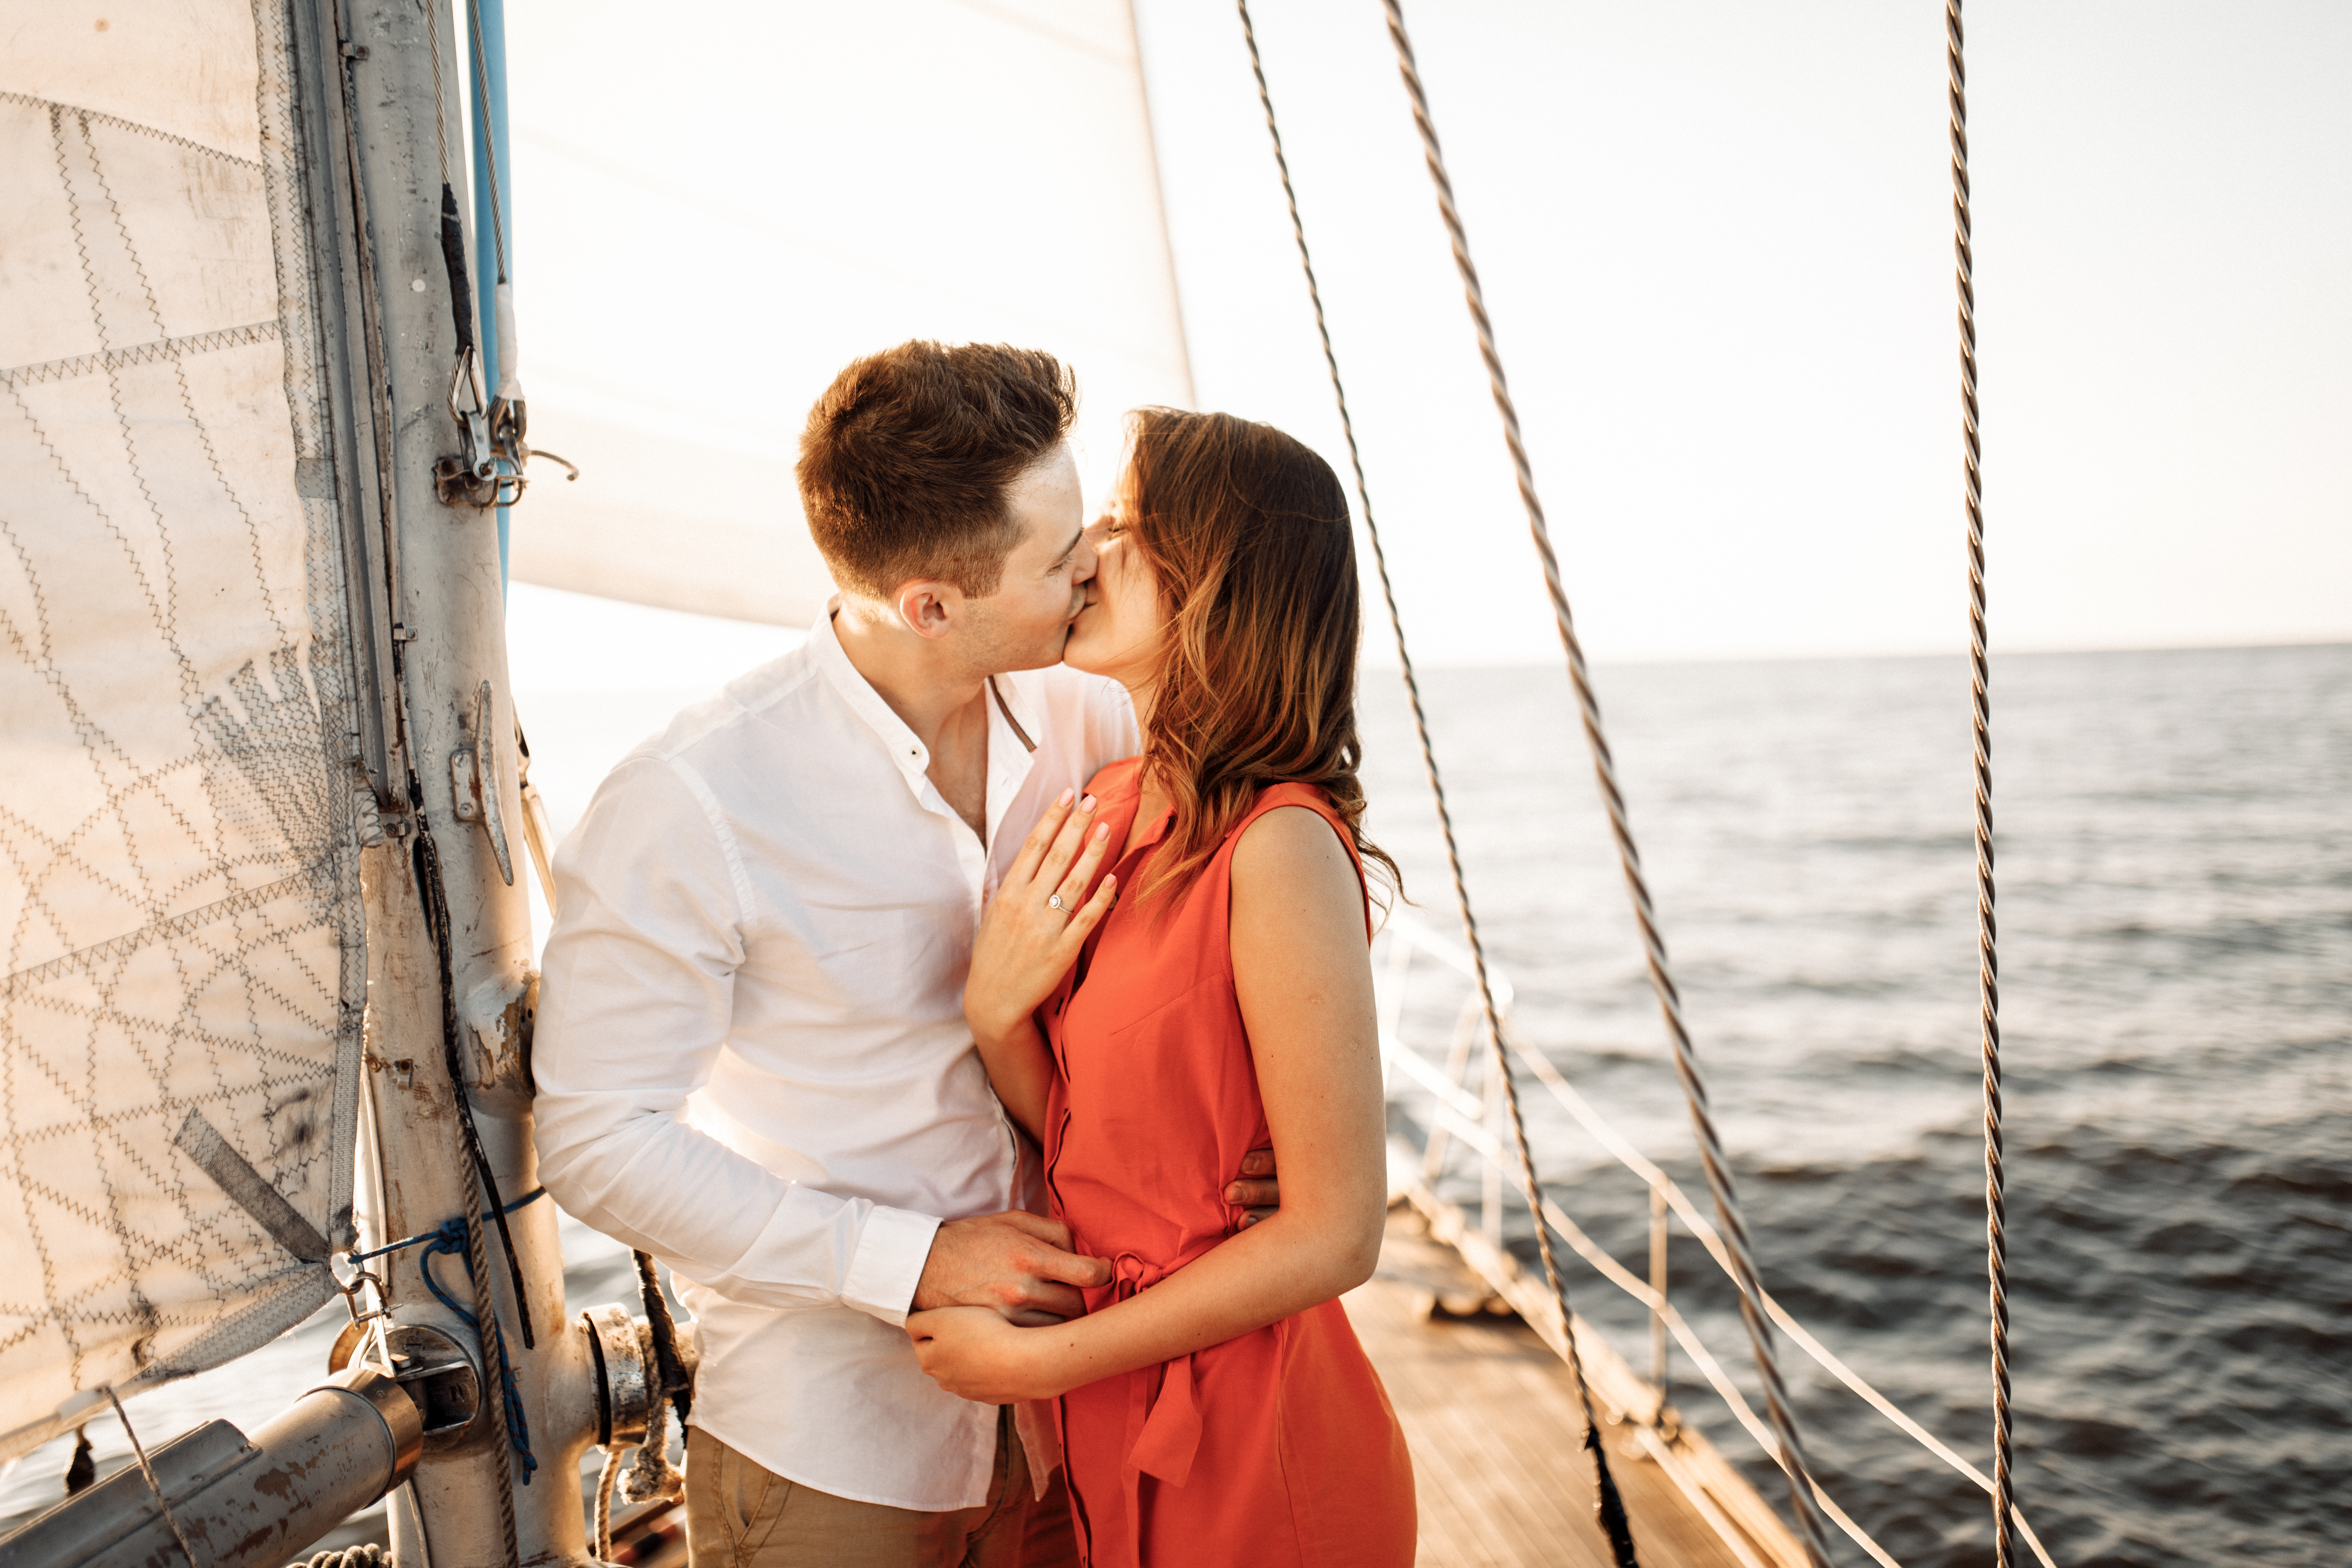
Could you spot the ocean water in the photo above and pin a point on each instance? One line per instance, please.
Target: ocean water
(2176, 903)
(2175, 866)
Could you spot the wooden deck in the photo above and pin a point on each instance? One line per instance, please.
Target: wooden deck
(1499, 1466)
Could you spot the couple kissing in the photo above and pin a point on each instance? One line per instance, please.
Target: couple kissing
(932, 1000)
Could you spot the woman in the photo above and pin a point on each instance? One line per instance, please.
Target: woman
(1215, 1404)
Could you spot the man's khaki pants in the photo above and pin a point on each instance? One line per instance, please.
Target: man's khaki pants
(739, 1515)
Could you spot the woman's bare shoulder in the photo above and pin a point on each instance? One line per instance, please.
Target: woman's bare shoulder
(1293, 847)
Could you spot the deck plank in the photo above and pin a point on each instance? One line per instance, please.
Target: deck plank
(1500, 1473)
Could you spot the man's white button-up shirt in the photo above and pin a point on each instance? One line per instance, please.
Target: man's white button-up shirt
(751, 1054)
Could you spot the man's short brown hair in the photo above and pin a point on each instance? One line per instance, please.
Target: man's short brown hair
(906, 458)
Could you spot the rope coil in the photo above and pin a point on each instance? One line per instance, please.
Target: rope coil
(1686, 1067)
(1980, 714)
(367, 1554)
(1608, 1503)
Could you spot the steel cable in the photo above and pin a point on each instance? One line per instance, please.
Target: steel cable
(489, 142)
(1980, 701)
(1607, 1502)
(1686, 1067)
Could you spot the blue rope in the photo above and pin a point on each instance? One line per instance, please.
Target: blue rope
(448, 1240)
(531, 1197)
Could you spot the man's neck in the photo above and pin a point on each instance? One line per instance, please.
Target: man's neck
(912, 674)
(944, 704)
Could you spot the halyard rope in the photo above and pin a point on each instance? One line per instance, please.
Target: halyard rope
(1980, 674)
(492, 1336)
(1686, 1067)
(493, 1343)
(1607, 1501)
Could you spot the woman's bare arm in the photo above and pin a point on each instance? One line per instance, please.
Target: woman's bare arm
(1303, 975)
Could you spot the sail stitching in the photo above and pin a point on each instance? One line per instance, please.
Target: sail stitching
(134, 1284)
(178, 925)
(180, 375)
(176, 750)
(141, 353)
(115, 122)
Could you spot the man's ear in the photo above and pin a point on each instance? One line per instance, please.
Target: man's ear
(929, 609)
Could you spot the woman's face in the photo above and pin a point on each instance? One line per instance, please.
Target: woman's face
(1119, 632)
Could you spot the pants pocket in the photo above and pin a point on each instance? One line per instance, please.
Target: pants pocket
(744, 1499)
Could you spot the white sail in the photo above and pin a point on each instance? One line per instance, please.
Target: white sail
(758, 201)
(179, 901)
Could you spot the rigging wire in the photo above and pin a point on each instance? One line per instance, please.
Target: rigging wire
(440, 107)
(489, 142)
(1607, 1502)
(1980, 702)
(1711, 1154)
(1630, 1158)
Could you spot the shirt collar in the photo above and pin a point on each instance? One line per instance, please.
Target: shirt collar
(905, 749)
(1028, 722)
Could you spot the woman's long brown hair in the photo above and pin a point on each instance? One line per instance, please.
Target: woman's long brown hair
(1247, 530)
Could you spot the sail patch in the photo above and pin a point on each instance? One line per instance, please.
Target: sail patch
(201, 1141)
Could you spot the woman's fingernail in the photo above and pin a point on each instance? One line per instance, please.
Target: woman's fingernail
(1087, 804)
(1064, 799)
(1102, 831)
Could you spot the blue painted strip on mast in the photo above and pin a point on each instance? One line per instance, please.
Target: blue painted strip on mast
(488, 20)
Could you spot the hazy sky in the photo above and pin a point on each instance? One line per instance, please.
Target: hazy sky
(1715, 237)
(1716, 241)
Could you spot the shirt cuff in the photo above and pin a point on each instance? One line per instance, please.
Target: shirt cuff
(892, 1247)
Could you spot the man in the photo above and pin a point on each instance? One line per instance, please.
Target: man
(751, 1054)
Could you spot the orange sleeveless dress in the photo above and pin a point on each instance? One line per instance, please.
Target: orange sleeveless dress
(1278, 1448)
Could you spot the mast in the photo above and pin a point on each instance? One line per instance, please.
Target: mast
(390, 139)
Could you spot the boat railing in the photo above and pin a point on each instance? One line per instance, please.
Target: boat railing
(1452, 1114)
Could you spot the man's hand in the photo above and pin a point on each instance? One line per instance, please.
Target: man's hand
(1016, 1263)
(1256, 1190)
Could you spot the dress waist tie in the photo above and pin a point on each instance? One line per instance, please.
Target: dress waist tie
(1163, 1418)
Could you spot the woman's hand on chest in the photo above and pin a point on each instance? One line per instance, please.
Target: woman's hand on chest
(1039, 918)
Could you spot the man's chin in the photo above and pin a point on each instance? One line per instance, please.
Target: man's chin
(1044, 656)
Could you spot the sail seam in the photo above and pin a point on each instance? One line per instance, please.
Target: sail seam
(140, 353)
(27, 101)
(177, 925)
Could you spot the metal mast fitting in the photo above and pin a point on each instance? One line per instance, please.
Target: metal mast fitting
(447, 1089)
(222, 1499)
